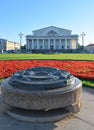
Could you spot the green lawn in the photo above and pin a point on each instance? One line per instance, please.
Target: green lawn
(83, 57)
(88, 83)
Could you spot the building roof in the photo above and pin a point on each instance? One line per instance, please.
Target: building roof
(51, 27)
(91, 44)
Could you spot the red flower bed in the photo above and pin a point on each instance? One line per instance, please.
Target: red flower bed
(77, 68)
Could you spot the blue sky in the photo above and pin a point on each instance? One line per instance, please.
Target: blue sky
(27, 15)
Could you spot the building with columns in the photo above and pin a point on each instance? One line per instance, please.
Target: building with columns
(51, 39)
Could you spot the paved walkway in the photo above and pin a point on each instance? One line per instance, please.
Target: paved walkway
(84, 120)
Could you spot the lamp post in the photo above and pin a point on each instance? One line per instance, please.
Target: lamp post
(82, 35)
(20, 35)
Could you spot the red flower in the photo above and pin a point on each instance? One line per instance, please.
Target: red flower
(79, 69)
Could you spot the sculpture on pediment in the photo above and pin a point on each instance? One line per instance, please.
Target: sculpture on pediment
(52, 33)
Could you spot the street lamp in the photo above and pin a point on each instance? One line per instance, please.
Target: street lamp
(20, 35)
(82, 35)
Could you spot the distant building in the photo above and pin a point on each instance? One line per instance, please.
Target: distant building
(51, 39)
(90, 48)
(6, 45)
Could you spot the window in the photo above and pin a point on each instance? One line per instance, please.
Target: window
(41, 47)
(52, 47)
(62, 47)
(30, 40)
(68, 47)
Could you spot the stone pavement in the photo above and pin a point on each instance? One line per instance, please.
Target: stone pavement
(84, 120)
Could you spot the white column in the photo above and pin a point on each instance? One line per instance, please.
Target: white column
(27, 43)
(43, 44)
(70, 43)
(48, 43)
(32, 44)
(76, 43)
(37, 43)
(65, 43)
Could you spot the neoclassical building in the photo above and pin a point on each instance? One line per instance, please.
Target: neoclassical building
(51, 39)
(7, 45)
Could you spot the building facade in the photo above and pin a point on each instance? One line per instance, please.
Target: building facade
(89, 48)
(6, 45)
(51, 39)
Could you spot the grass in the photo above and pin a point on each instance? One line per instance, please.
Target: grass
(81, 57)
(1, 80)
(88, 83)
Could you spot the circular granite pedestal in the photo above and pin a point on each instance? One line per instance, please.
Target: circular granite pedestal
(49, 102)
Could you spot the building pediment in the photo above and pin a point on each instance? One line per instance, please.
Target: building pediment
(51, 31)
